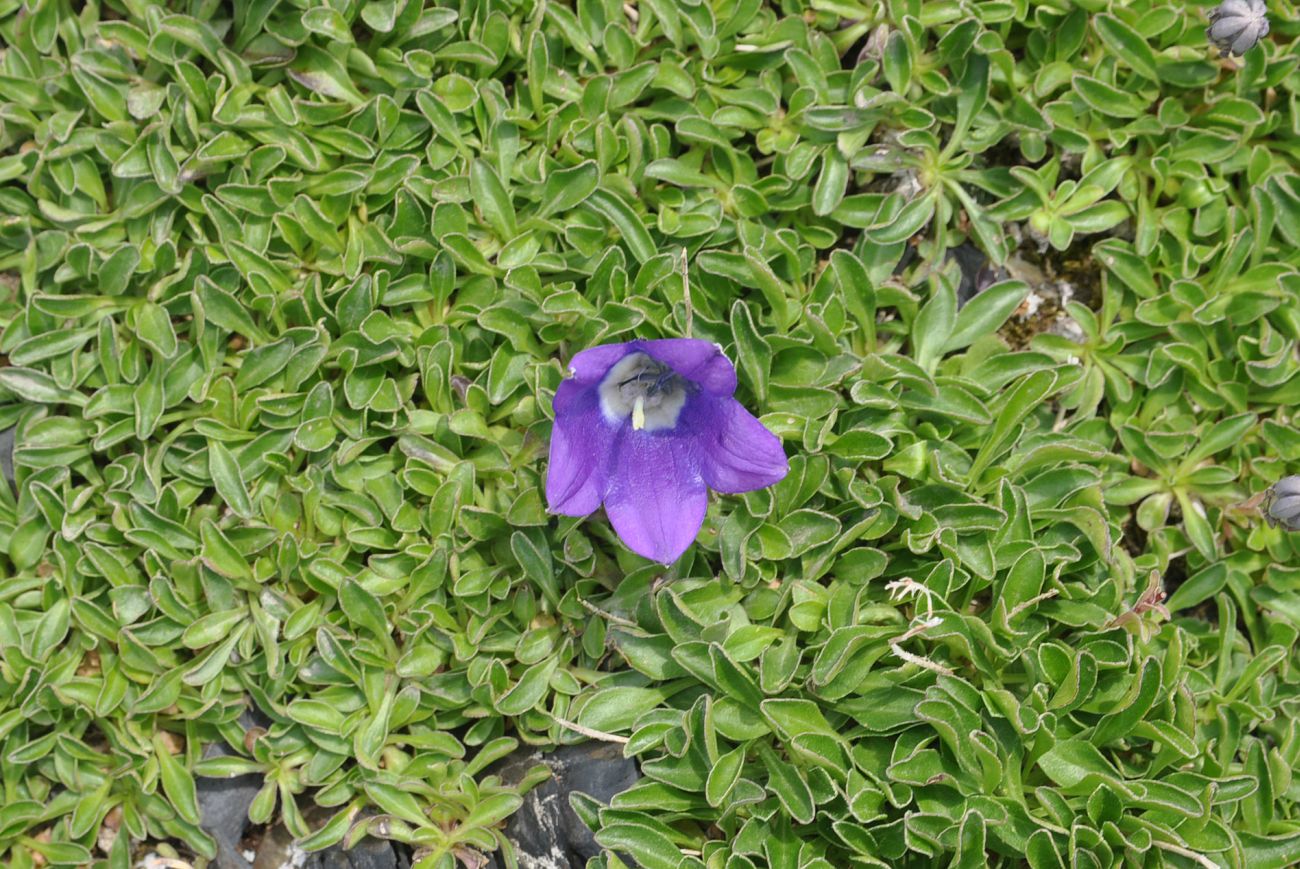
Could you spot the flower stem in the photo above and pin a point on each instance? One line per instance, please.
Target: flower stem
(618, 620)
(1200, 859)
(588, 732)
(686, 293)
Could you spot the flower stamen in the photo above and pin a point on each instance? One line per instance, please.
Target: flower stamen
(644, 390)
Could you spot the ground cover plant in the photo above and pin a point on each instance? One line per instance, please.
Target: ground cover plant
(288, 289)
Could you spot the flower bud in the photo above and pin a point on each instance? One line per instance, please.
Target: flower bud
(1282, 507)
(1236, 25)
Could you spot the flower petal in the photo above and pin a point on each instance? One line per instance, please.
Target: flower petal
(1286, 508)
(1287, 486)
(656, 499)
(580, 445)
(700, 361)
(590, 366)
(739, 453)
(1246, 40)
(571, 394)
(1226, 29)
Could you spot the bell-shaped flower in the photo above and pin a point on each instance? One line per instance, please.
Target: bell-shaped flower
(646, 428)
(1236, 25)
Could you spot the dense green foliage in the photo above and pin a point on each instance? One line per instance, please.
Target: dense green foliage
(287, 289)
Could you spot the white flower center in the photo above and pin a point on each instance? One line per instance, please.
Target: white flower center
(645, 390)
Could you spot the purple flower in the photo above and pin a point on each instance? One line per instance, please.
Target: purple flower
(647, 428)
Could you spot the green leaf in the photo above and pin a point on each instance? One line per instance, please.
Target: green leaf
(986, 313)
(910, 220)
(211, 628)
(897, 62)
(219, 307)
(616, 708)
(648, 847)
(1225, 433)
(177, 782)
(1024, 581)
(38, 387)
(723, 776)
(116, 271)
(792, 717)
(228, 479)
(536, 562)
(322, 73)
(625, 220)
(771, 286)
(1200, 587)
(492, 199)
(1270, 852)
(1126, 44)
(1106, 99)
(396, 802)
(1026, 396)
(972, 94)
(328, 23)
(62, 853)
(363, 609)
(51, 629)
(831, 183)
(1071, 761)
(789, 786)
(493, 810)
(529, 690)
(568, 188)
(330, 833)
(752, 351)
(932, 329)
(1197, 525)
(1133, 707)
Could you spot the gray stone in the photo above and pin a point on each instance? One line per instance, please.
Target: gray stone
(278, 851)
(275, 850)
(978, 272)
(546, 832)
(224, 802)
(366, 854)
(7, 455)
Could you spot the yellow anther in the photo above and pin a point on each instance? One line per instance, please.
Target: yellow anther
(638, 413)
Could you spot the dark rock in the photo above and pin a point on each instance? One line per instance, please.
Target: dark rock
(909, 254)
(367, 854)
(546, 832)
(278, 851)
(978, 272)
(224, 802)
(275, 849)
(7, 455)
